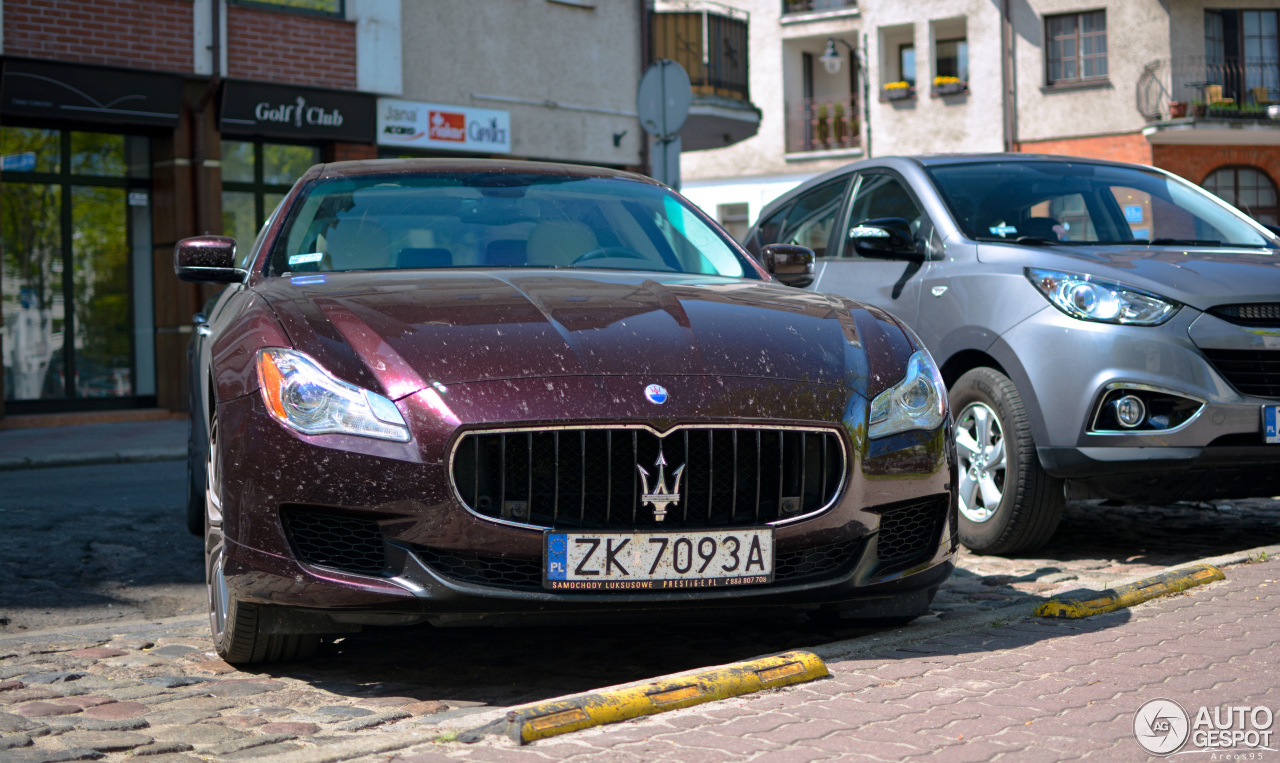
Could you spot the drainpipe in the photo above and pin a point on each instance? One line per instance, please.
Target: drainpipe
(645, 54)
(1008, 73)
(866, 92)
(200, 195)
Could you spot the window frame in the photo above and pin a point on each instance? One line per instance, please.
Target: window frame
(286, 7)
(1078, 56)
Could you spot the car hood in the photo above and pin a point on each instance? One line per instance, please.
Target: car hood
(1196, 276)
(400, 331)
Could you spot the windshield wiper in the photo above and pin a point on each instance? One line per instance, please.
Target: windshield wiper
(1035, 241)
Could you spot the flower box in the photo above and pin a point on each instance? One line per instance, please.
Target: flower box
(950, 88)
(897, 93)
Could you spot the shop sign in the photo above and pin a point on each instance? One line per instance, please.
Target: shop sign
(295, 112)
(50, 90)
(411, 124)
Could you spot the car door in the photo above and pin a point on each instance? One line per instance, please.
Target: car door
(892, 284)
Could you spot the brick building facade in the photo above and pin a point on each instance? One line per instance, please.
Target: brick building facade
(137, 118)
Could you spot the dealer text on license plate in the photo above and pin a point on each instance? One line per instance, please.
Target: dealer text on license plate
(639, 561)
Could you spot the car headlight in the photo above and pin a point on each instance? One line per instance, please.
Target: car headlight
(916, 402)
(303, 396)
(1095, 299)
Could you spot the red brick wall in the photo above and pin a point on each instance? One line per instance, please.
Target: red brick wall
(141, 34)
(1195, 163)
(286, 47)
(1132, 147)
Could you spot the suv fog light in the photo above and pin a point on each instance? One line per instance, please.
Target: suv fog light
(1130, 408)
(1130, 411)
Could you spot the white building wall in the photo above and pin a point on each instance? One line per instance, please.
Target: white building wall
(566, 72)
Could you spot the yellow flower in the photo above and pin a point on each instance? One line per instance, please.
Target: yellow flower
(897, 85)
(946, 80)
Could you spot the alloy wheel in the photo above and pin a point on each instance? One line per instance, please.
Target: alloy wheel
(219, 597)
(983, 458)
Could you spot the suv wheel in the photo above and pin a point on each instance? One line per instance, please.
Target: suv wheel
(1008, 504)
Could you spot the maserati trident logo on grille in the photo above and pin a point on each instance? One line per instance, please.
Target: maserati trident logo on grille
(656, 394)
(660, 497)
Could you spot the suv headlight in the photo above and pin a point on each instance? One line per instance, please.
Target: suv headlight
(1095, 299)
(303, 396)
(919, 401)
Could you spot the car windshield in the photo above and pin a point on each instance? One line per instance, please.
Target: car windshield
(1035, 202)
(497, 220)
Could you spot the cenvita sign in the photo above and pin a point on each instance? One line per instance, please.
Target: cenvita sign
(413, 124)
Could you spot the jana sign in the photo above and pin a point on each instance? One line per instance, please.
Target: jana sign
(432, 125)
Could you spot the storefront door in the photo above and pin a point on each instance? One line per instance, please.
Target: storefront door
(75, 270)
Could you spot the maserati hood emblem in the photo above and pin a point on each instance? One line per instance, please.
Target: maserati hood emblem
(660, 497)
(656, 394)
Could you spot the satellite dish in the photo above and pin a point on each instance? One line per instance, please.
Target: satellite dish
(664, 97)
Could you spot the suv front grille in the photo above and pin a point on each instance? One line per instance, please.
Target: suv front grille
(1252, 372)
(591, 478)
(1250, 314)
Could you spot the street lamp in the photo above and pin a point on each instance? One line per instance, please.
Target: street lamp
(831, 61)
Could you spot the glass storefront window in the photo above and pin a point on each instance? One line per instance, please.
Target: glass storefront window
(75, 268)
(30, 149)
(96, 153)
(255, 177)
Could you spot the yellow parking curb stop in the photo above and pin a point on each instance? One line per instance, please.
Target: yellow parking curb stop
(533, 722)
(1112, 599)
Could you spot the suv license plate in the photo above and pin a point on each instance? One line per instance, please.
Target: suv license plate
(1270, 414)
(666, 561)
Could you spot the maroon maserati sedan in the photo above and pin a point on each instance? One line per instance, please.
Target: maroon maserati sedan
(472, 391)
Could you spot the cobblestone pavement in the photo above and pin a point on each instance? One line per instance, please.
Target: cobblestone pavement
(154, 688)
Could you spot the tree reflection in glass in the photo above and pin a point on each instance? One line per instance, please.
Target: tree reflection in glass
(100, 251)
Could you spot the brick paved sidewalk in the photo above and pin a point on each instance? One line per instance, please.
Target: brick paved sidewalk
(1032, 690)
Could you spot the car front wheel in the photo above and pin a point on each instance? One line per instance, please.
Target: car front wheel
(1008, 503)
(237, 635)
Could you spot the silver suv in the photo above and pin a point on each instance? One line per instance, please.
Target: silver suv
(1106, 330)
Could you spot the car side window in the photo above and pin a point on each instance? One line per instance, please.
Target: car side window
(881, 195)
(769, 230)
(810, 221)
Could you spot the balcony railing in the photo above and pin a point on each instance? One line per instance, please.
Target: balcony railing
(816, 6)
(709, 40)
(823, 124)
(1200, 87)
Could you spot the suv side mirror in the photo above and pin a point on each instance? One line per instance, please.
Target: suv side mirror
(790, 264)
(207, 259)
(885, 238)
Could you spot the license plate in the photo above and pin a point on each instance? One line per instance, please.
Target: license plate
(644, 561)
(1270, 414)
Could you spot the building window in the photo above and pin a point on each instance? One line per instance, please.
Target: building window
(952, 59)
(255, 178)
(734, 218)
(907, 63)
(1077, 45)
(322, 7)
(1242, 56)
(1248, 189)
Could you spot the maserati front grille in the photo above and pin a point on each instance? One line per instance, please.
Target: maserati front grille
(626, 478)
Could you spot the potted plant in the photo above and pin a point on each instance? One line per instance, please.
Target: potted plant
(1224, 110)
(949, 85)
(824, 126)
(896, 91)
(1177, 109)
(841, 130)
(1198, 109)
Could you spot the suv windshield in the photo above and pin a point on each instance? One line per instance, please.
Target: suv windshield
(496, 220)
(1040, 201)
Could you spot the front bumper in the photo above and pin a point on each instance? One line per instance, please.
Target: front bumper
(1063, 368)
(436, 550)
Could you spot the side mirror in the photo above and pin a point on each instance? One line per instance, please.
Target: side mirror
(790, 264)
(207, 259)
(885, 238)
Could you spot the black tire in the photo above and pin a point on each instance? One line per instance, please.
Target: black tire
(195, 485)
(237, 637)
(1030, 502)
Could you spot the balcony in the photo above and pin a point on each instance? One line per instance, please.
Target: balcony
(1198, 87)
(710, 41)
(823, 124)
(791, 7)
